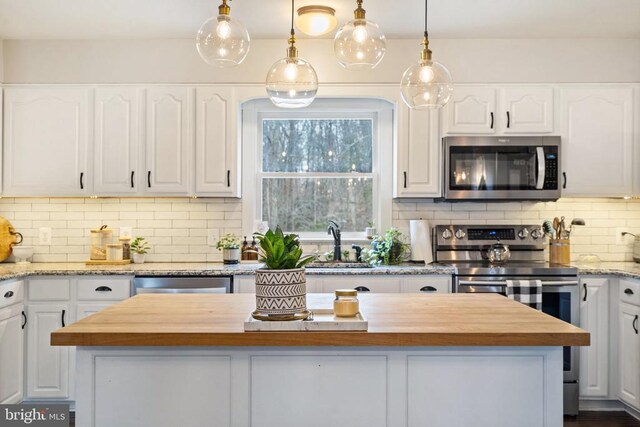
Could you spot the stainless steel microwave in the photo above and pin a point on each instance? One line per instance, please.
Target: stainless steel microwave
(502, 168)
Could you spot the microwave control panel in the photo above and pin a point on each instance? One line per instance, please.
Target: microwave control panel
(550, 168)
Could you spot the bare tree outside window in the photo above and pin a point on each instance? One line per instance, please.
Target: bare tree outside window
(314, 170)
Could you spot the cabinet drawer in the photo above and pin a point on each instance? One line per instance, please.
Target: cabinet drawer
(630, 292)
(104, 289)
(371, 283)
(426, 284)
(11, 292)
(49, 289)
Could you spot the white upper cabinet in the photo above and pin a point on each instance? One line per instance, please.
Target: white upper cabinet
(471, 109)
(526, 110)
(482, 109)
(597, 141)
(116, 140)
(46, 137)
(217, 149)
(169, 140)
(417, 154)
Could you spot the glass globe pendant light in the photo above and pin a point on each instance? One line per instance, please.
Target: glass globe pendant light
(428, 83)
(222, 40)
(360, 44)
(292, 82)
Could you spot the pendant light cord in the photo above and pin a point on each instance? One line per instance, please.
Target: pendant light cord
(293, 33)
(426, 11)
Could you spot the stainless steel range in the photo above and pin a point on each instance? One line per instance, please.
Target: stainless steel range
(469, 248)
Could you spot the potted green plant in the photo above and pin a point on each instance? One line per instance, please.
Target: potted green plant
(281, 287)
(370, 230)
(392, 248)
(139, 248)
(229, 244)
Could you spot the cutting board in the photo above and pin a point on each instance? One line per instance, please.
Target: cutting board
(8, 236)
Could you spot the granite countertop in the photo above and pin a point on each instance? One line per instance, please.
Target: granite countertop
(12, 271)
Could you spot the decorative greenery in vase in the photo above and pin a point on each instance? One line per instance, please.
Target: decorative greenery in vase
(229, 244)
(390, 249)
(140, 246)
(279, 251)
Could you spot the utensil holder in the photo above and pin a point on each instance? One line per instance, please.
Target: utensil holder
(559, 251)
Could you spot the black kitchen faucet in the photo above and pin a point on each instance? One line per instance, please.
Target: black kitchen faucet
(334, 230)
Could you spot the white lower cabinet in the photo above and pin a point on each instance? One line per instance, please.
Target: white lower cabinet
(426, 284)
(629, 362)
(11, 342)
(594, 317)
(362, 283)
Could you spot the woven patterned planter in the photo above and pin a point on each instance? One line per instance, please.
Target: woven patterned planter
(281, 295)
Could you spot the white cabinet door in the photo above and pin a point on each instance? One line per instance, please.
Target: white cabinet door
(594, 317)
(363, 283)
(471, 109)
(48, 367)
(417, 162)
(426, 284)
(11, 355)
(217, 150)
(597, 141)
(169, 140)
(46, 132)
(527, 110)
(629, 355)
(116, 140)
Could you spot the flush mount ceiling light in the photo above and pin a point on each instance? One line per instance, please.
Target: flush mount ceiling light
(360, 44)
(316, 20)
(292, 82)
(426, 84)
(222, 40)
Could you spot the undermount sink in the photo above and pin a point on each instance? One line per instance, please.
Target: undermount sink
(338, 264)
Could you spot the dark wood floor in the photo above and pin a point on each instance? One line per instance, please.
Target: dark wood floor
(601, 419)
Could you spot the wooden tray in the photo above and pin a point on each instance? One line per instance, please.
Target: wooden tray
(323, 320)
(104, 262)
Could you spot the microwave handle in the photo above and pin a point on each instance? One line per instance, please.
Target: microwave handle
(541, 168)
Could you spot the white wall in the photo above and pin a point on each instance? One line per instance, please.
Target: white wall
(1, 60)
(176, 61)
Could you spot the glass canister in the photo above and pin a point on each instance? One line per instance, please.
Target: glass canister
(126, 246)
(346, 303)
(100, 238)
(114, 252)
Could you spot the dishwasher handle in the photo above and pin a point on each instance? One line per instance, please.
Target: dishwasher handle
(221, 290)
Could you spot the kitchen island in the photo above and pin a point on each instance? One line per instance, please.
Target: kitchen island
(437, 360)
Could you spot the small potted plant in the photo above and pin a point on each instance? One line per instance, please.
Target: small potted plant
(389, 249)
(370, 230)
(229, 244)
(281, 287)
(139, 248)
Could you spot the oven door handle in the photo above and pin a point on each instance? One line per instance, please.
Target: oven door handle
(504, 282)
(541, 168)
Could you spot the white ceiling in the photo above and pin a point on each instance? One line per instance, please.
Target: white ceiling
(141, 19)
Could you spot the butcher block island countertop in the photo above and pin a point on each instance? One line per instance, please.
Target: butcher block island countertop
(397, 320)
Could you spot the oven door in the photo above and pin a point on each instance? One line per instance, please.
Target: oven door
(560, 299)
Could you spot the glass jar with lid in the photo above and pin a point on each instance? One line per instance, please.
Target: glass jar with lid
(346, 303)
(100, 238)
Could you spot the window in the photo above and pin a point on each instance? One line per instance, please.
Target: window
(318, 164)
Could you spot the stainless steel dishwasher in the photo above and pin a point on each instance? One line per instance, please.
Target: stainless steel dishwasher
(181, 285)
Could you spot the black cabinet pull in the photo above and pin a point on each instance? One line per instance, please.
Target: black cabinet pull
(628, 291)
(228, 178)
(132, 175)
(82, 180)
(564, 180)
(362, 289)
(63, 312)
(491, 120)
(584, 285)
(103, 289)
(508, 120)
(24, 317)
(149, 179)
(405, 179)
(428, 289)
(635, 324)
(9, 294)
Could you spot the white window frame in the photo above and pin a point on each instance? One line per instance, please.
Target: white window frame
(382, 114)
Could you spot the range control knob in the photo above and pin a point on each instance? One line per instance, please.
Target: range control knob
(446, 234)
(523, 233)
(535, 233)
(460, 234)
